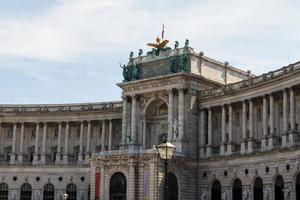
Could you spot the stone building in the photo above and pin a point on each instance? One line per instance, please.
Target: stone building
(236, 136)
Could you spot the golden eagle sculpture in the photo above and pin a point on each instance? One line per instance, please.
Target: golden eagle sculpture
(160, 44)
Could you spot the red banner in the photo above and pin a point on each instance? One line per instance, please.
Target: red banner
(97, 185)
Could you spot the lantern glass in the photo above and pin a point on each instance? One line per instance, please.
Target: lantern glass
(166, 150)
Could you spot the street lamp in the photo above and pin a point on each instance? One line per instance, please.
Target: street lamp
(64, 196)
(166, 151)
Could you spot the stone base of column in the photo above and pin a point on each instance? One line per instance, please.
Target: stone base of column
(57, 159)
(272, 142)
(291, 142)
(12, 160)
(87, 159)
(35, 159)
(43, 159)
(20, 159)
(243, 147)
(222, 149)
(134, 148)
(80, 159)
(208, 151)
(264, 144)
(230, 149)
(65, 159)
(284, 140)
(250, 146)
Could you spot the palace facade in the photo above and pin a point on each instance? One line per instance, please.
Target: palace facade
(236, 136)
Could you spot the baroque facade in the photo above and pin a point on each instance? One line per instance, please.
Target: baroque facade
(236, 135)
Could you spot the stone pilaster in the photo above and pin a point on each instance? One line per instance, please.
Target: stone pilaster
(103, 136)
(292, 119)
(133, 120)
(230, 145)
(285, 119)
(251, 137)
(181, 114)
(124, 121)
(88, 142)
(131, 181)
(144, 123)
(13, 152)
(265, 125)
(222, 149)
(271, 140)
(110, 134)
(43, 156)
(80, 154)
(170, 115)
(65, 157)
(244, 127)
(58, 154)
(202, 133)
(209, 132)
(20, 156)
(36, 144)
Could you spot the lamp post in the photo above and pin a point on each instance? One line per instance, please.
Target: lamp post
(64, 196)
(166, 151)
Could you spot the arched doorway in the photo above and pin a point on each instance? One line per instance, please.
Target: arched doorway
(49, 192)
(71, 191)
(216, 190)
(172, 186)
(3, 191)
(156, 122)
(26, 192)
(297, 187)
(117, 187)
(237, 189)
(278, 188)
(258, 189)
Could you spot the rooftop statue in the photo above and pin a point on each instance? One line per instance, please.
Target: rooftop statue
(176, 45)
(160, 44)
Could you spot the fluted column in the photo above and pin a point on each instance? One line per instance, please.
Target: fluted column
(272, 129)
(65, 158)
(265, 125)
(133, 119)
(230, 146)
(170, 115)
(80, 155)
(43, 156)
(36, 144)
(244, 127)
(222, 150)
(103, 137)
(292, 118)
(209, 132)
(285, 119)
(13, 152)
(20, 156)
(124, 121)
(251, 136)
(88, 140)
(181, 113)
(110, 134)
(58, 154)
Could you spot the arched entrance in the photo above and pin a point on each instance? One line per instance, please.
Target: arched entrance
(297, 187)
(48, 192)
(216, 190)
(156, 122)
(26, 192)
(237, 190)
(71, 191)
(117, 187)
(278, 188)
(172, 186)
(258, 189)
(3, 191)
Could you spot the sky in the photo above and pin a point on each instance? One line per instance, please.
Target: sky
(68, 51)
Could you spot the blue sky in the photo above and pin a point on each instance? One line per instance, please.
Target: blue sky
(69, 50)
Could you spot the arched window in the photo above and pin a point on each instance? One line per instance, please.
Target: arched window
(258, 189)
(3, 191)
(298, 187)
(49, 192)
(71, 191)
(278, 188)
(172, 186)
(216, 190)
(237, 190)
(117, 187)
(26, 192)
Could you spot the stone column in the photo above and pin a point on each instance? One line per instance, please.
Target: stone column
(13, 151)
(292, 118)
(103, 137)
(222, 150)
(251, 135)
(88, 141)
(131, 181)
(230, 145)
(144, 133)
(244, 127)
(209, 133)
(110, 134)
(265, 125)
(124, 121)
(181, 114)
(170, 115)
(285, 120)
(80, 155)
(102, 182)
(65, 158)
(43, 156)
(202, 133)
(20, 156)
(133, 120)
(36, 145)
(271, 139)
(58, 153)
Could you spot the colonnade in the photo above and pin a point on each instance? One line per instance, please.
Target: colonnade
(39, 156)
(248, 143)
